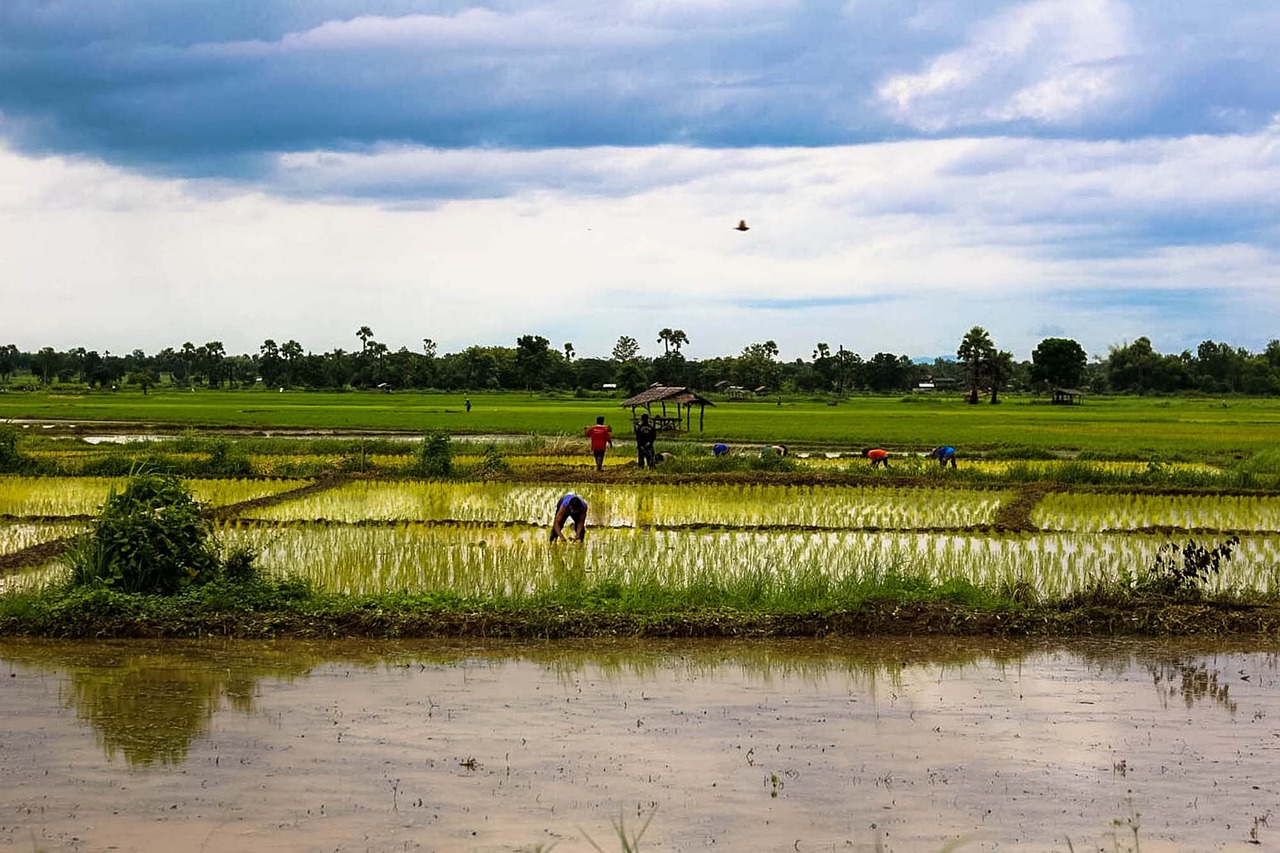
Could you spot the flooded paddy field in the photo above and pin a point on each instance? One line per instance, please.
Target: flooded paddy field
(842, 745)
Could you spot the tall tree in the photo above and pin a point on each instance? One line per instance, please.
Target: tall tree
(757, 367)
(533, 360)
(999, 370)
(626, 349)
(1058, 362)
(672, 339)
(8, 361)
(974, 352)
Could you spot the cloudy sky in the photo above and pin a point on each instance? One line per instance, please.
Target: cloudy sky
(242, 169)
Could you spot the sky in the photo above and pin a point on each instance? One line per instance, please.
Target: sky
(237, 170)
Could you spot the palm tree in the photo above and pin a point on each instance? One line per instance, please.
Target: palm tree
(975, 351)
(672, 339)
(364, 333)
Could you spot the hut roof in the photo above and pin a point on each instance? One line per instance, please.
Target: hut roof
(665, 394)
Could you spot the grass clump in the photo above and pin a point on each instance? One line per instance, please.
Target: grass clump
(152, 538)
(435, 456)
(12, 460)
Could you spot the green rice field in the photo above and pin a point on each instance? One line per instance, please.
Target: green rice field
(779, 543)
(72, 496)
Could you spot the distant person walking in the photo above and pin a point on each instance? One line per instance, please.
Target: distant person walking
(878, 457)
(944, 454)
(646, 435)
(569, 508)
(468, 404)
(601, 437)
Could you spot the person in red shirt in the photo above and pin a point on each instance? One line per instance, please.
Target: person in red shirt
(877, 457)
(601, 436)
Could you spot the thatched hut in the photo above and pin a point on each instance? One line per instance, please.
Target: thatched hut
(683, 399)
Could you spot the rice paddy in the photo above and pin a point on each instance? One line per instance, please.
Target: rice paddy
(785, 543)
(780, 567)
(647, 505)
(15, 536)
(1118, 511)
(52, 497)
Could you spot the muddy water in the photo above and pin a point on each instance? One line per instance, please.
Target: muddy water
(884, 745)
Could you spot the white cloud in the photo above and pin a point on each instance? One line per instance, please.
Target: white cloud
(899, 247)
(1047, 61)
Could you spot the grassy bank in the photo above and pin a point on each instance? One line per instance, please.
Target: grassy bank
(889, 605)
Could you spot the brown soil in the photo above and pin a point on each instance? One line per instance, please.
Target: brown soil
(1015, 515)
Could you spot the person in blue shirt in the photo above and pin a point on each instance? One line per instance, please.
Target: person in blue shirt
(944, 454)
(720, 448)
(569, 508)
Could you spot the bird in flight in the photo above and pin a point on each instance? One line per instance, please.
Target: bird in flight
(742, 226)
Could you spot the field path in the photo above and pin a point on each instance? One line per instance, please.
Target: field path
(1015, 516)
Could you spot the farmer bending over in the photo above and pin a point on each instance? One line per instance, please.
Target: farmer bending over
(570, 508)
(877, 456)
(944, 454)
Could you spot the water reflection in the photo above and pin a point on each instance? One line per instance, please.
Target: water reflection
(148, 701)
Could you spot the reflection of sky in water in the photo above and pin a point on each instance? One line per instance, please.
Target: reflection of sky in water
(383, 744)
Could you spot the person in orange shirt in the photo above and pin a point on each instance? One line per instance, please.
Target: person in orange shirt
(601, 436)
(877, 456)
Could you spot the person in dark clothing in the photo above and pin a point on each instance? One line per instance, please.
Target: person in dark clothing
(646, 435)
(569, 508)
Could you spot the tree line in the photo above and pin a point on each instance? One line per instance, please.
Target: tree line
(979, 368)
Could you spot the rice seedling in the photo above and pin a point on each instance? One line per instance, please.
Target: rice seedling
(227, 492)
(1113, 511)
(51, 572)
(647, 505)
(785, 571)
(70, 496)
(48, 496)
(14, 536)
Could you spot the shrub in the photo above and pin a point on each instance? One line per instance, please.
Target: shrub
(225, 460)
(11, 461)
(491, 464)
(1182, 570)
(435, 457)
(152, 538)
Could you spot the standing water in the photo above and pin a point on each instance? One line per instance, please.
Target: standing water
(889, 745)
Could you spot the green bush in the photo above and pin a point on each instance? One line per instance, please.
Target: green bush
(491, 464)
(11, 461)
(435, 457)
(152, 538)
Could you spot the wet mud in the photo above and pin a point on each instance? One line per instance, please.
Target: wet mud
(875, 745)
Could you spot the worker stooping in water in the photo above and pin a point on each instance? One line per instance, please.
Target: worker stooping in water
(944, 454)
(878, 457)
(569, 508)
